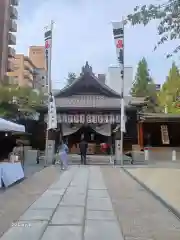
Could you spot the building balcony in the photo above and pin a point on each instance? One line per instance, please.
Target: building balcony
(11, 39)
(12, 26)
(28, 75)
(13, 13)
(13, 80)
(11, 52)
(14, 3)
(28, 68)
(10, 66)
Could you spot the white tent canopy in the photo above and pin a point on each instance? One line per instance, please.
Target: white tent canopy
(7, 126)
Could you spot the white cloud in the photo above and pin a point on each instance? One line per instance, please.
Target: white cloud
(83, 32)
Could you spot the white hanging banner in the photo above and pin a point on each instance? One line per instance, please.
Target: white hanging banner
(48, 49)
(52, 116)
(89, 118)
(118, 32)
(165, 134)
(123, 117)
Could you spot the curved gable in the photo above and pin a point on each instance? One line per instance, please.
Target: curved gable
(87, 83)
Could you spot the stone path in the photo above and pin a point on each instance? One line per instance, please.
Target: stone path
(141, 216)
(77, 207)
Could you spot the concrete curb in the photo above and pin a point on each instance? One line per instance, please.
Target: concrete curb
(160, 199)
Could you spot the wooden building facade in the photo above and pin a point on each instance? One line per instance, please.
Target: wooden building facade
(159, 130)
(91, 109)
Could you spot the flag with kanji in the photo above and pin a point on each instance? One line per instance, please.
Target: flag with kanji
(47, 44)
(119, 44)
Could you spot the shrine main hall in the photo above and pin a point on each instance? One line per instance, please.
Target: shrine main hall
(89, 108)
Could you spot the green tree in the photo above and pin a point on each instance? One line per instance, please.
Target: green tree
(71, 78)
(18, 101)
(142, 79)
(168, 15)
(144, 86)
(170, 91)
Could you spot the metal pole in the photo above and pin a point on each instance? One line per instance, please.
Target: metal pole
(48, 75)
(122, 103)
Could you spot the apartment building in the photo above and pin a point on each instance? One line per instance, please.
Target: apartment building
(23, 74)
(8, 26)
(39, 81)
(37, 56)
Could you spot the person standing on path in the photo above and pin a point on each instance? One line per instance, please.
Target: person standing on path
(83, 145)
(63, 155)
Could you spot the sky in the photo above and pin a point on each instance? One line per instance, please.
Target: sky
(83, 32)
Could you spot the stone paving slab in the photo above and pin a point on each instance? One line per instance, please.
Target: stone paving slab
(76, 190)
(95, 185)
(33, 230)
(100, 215)
(63, 233)
(54, 192)
(64, 211)
(139, 238)
(99, 204)
(98, 193)
(68, 216)
(73, 200)
(65, 179)
(105, 230)
(46, 202)
(37, 215)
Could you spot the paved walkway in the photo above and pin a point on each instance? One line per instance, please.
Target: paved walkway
(76, 207)
(94, 203)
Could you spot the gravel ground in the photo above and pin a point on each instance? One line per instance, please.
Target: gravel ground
(141, 216)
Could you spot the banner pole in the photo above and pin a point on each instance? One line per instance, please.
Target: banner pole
(122, 102)
(48, 54)
(118, 32)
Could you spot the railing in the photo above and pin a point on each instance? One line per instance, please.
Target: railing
(13, 13)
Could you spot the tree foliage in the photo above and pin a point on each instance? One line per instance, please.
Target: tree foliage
(142, 79)
(71, 78)
(170, 91)
(168, 14)
(18, 101)
(144, 86)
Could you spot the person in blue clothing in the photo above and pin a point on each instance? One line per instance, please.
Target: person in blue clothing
(63, 155)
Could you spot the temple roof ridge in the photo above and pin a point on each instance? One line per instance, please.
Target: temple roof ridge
(86, 74)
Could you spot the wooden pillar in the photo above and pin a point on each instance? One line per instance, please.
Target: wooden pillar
(140, 134)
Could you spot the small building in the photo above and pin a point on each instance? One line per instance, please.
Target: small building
(159, 130)
(89, 108)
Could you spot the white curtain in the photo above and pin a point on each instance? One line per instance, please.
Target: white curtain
(68, 129)
(104, 129)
